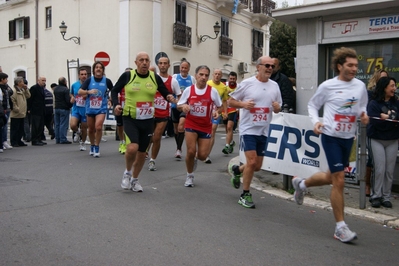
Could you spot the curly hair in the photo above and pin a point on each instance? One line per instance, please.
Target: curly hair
(340, 55)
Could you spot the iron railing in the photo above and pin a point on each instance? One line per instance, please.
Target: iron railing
(181, 35)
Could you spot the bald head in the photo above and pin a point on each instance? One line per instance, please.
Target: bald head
(142, 63)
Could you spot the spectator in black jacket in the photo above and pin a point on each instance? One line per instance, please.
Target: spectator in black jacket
(63, 104)
(287, 92)
(36, 108)
(3, 105)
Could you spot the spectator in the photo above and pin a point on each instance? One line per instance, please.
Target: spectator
(36, 106)
(63, 105)
(287, 92)
(49, 112)
(383, 140)
(3, 105)
(27, 120)
(18, 113)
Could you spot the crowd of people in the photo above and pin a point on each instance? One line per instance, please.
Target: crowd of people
(144, 102)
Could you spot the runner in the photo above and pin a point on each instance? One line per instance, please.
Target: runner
(96, 89)
(344, 99)
(198, 103)
(232, 114)
(162, 108)
(258, 97)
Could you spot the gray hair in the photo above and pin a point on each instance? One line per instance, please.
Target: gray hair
(17, 80)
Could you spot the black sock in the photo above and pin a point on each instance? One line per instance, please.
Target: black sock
(236, 170)
(180, 139)
(176, 138)
(244, 191)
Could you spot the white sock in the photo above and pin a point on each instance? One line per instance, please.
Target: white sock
(135, 179)
(340, 224)
(302, 185)
(128, 172)
(190, 174)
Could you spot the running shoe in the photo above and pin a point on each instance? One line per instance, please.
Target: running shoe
(236, 175)
(178, 154)
(126, 181)
(232, 144)
(97, 151)
(82, 146)
(136, 187)
(151, 165)
(226, 149)
(146, 155)
(77, 136)
(344, 234)
(189, 181)
(120, 147)
(91, 153)
(6, 146)
(208, 160)
(103, 140)
(246, 200)
(123, 148)
(299, 194)
(87, 142)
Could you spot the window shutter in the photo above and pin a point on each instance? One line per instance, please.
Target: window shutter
(26, 28)
(261, 39)
(11, 30)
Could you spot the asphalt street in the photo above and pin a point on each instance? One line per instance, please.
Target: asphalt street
(60, 206)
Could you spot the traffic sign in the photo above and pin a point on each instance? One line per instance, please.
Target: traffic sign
(103, 57)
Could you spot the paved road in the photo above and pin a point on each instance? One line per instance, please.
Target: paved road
(59, 206)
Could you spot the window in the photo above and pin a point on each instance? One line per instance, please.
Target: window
(224, 31)
(181, 12)
(48, 17)
(18, 29)
(257, 44)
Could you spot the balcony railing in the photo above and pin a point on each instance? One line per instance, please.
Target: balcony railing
(225, 46)
(262, 7)
(181, 35)
(256, 52)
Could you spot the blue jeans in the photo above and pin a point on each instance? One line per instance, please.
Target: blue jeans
(61, 123)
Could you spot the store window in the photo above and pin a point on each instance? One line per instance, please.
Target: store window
(372, 56)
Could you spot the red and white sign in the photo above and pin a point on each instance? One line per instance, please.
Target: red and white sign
(103, 57)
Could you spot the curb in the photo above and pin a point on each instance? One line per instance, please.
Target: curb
(386, 220)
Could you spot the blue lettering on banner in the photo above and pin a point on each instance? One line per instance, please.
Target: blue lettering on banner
(302, 138)
(389, 20)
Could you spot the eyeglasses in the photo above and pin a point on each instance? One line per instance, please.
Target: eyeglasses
(268, 66)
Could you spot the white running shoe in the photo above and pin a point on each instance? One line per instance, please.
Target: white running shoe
(151, 165)
(103, 140)
(82, 146)
(87, 142)
(189, 181)
(208, 160)
(136, 187)
(344, 234)
(299, 194)
(7, 146)
(77, 136)
(178, 154)
(126, 181)
(1, 150)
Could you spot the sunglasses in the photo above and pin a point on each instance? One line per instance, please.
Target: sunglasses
(268, 66)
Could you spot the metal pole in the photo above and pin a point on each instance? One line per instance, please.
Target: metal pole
(362, 158)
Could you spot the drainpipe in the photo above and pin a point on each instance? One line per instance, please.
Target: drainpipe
(37, 38)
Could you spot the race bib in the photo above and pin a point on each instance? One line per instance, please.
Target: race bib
(80, 101)
(144, 110)
(198, 109)
(160, 103)
(259, 115)
(95, 102)
(343, 122)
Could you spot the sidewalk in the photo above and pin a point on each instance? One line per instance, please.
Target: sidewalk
(319, 197)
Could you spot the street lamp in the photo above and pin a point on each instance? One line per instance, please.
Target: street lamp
(216, 29)
(63, 30)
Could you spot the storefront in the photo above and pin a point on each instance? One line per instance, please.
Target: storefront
(370, 27)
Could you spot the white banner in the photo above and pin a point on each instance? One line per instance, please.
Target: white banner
(294, 149)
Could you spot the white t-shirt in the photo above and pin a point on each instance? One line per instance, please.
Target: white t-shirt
(214, 95)
(257, 120)
(344, 102)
